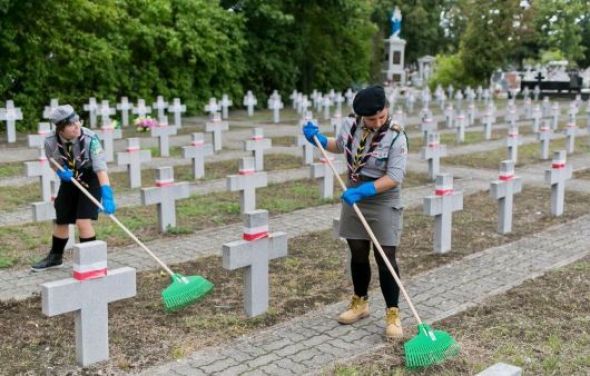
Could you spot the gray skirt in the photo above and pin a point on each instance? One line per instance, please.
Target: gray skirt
(385, 221)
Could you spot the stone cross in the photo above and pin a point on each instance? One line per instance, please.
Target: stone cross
(513, 141)
(432, 153)
(555, 115)
(441, 205)
(570, 137)
(38, 140)
(338, 99)
(546, 105)
(536, 115)
(124, 106)
(246, 183)
(250, 102)
(307, 149)
(336, 123)
(197, 151)
(87, 293)
(225, 104)
(133, 158)
(160, 105)
(108, 135)
(10, 114)
(40, 168)
(92, 108)
(460, 128)
(449, 115)
(294, 98)
(471, 114)
(140, 109)
(257, 144)
(323, 171)
(528, 108)
(253, 253)
(349, 95)
(459, 99)
(165, 194)
(275, 104)
(544, 136)
(511, 115)
(53, 103)
(536, 92)
(105, 112)
(216, 126)
(212, 107)
(503, 191)
(163, 131)
(556, 177)
(177, 108)
(488, 123)
(327, 104)
(427, 126)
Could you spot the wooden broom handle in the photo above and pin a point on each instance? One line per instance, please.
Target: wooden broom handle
(112, 216)
(370, 232)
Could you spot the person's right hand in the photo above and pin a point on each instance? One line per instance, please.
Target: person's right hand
(310, 130)
(65, 174)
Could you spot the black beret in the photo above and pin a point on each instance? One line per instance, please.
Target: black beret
(369, 101)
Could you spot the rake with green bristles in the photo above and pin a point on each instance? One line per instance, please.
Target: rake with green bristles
(428, 347)
(184, 290)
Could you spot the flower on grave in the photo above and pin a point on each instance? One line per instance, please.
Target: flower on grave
(143, 124)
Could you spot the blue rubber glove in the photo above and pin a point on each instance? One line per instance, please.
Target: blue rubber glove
(65, 175)
(310, 130)
(108, 200)
(353, 195)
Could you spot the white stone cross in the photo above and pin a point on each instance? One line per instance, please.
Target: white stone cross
(250, 102)
(503, 191)
(338, 100)
(471, 114)
(165, 194)
(432, 153)
(511, 115)
(544, 136)
(92, 108)
(275, 104)
(160, 105)
(460, 128)
(336, 123)
(225, 104)
(10, 114)
(53, 104)
(257, 144)
(124, 106)
(163, 131)
(133, 158)
(326, 104)
(40, 168)
(140, 109)
(528, 108)
(513, 141)
(105, 112)
(108, 135)
(326, 176)
(307, 149)
(555, 111)
(488, 123)
(216, 126)
(246, 183)
(441, 205)
(212, 108)
(570, 137)
(449, 115)
(427, 126)
(556, 177)
(546, 105)
(88, 293)
(197, 151)
(349, 95)
(536, 115)
(294, 98)
(38, 140)
(177, 108)
(253, 253)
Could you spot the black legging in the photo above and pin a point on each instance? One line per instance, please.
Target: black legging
(361, 270)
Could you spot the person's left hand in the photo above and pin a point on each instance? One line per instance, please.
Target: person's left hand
(310, 130)
(108, 200)
(353, 195)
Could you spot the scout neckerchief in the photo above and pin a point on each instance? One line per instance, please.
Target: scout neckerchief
(67, 155)
(356, 163)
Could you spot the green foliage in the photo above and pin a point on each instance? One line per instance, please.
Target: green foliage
(449, 71)
(547, 56)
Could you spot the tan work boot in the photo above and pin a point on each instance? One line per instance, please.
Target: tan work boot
(393, 324)
(357, 309)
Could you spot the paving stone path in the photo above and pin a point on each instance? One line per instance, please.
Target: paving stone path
(310, 343)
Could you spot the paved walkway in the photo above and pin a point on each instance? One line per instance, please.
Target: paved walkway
(309, 344)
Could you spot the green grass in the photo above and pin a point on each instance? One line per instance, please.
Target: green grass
(12, 169)
(527, 154)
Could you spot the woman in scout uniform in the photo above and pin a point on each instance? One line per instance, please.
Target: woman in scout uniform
(81, 156)
(376, 153)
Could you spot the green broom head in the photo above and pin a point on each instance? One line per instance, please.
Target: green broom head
(184, 291)
(429, 347)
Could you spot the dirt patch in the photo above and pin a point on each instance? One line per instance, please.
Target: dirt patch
(312, 276)
(284, 141)
(540, 326)
(582, 174)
